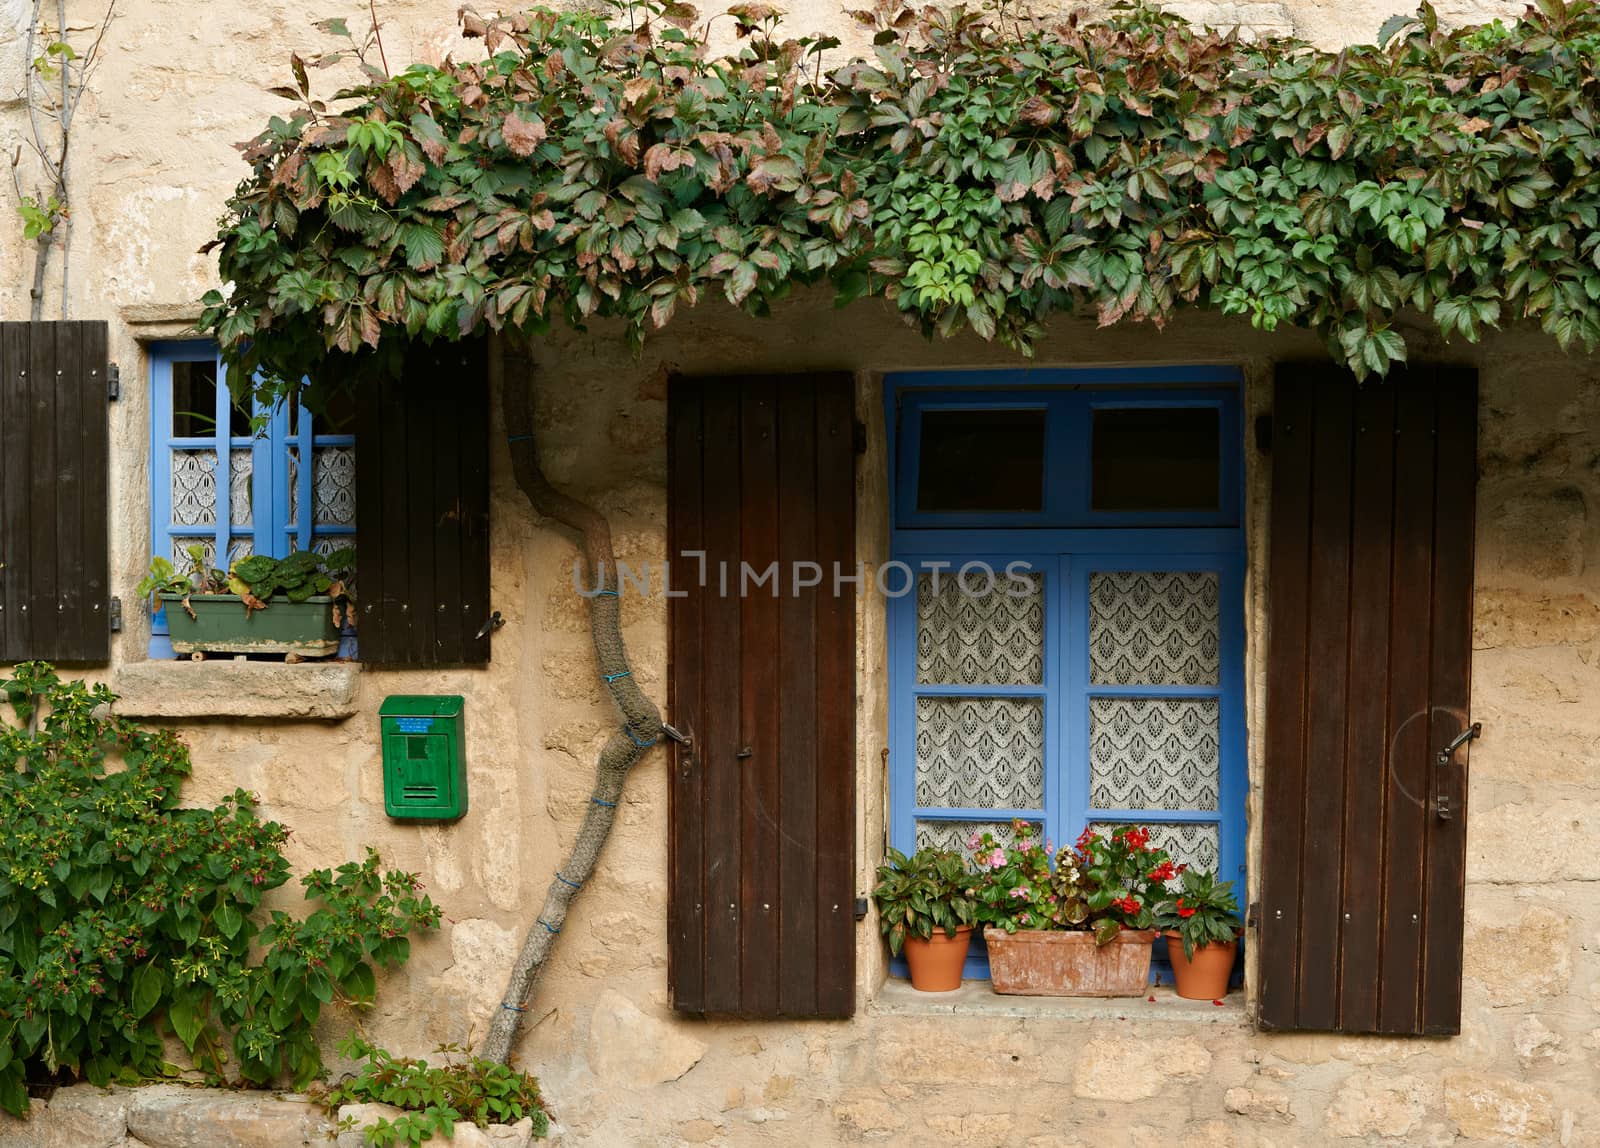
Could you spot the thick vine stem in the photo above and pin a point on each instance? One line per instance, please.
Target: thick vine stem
(511, 372)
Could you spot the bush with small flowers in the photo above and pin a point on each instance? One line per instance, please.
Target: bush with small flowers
(124, 917)
(1104, 883)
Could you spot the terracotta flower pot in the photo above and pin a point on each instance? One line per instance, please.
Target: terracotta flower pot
(936, 963)
(1056, 963)
(1203, 977)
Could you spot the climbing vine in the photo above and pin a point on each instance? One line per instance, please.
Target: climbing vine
(980, 170)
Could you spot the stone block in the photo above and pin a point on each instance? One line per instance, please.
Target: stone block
(1539, 534)
(1520, 961)
(1532, 618)
(1258, 1103)
(87, 1117)
(1498, 1110)
(226, 688)
(1127, 1069)
(170, 1116)
(1379, 1103)
(1514, 842)
(628, 1046)
(362, 1116)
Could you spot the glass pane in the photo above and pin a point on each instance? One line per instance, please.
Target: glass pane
(967, 638)
(956, 834)
(194, 487)
(240, 548)
(240, 488)
(333, 486)
(981, 460)
(1154, 753)
(980, 753)
(1195, 844)
(1156, 458)
(1154, 628)
(338, 413)
(180, 552)
(294, 485)
(194, 400)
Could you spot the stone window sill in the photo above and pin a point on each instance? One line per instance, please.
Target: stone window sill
(318, 691)
(896, 997)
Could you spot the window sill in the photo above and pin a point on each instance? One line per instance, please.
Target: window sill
(975, 998)
(321, 691)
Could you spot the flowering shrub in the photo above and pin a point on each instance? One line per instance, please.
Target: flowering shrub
(1103, 883)
(124, 917)
(930, 889)
(1204, 911)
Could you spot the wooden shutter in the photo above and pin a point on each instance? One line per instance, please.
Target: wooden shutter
(54, 562)
(422, 509)
(1370, 614)
(760, 917)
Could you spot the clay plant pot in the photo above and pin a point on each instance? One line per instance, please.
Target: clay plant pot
(1054, 963)
(936, 963)
(1203, 977)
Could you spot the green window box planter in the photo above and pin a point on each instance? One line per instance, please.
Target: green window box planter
(222, 626)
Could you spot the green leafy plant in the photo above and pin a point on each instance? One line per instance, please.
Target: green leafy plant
(979, 169)
(436, 1096)
(1204, 911)
(255, 579)
(931, 889)
(124, 917)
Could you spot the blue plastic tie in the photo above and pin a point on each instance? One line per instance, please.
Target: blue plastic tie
(519, 438)
(548, 926)
(605, 593)
(564, 881)
(636, 741)
(613, 677)
(511, 1007)
(607, 804)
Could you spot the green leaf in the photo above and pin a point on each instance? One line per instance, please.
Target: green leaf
(227, 919)
(147, 986)
(186, 1022)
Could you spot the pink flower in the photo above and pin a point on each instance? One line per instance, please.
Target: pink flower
(1027, 920)
(997, 859)
(1020, 892)
(972, 842)
(1049, 849)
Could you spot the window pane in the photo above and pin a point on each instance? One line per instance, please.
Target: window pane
(967, 638)
(241, 490)
(194, 487)
(956, 834)
(1156, 458)
(1154, 628)
(1154, 753)
(333, 486)
(980, 753)
(981, 460)
(194, 399)
(1196, 843)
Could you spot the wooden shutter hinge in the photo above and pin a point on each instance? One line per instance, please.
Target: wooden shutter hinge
(1252, 915)
(114, 615)
(858, 436)
(861, 908)
(113, 382)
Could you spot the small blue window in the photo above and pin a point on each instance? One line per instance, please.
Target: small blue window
(218, 483)
(1070, 650)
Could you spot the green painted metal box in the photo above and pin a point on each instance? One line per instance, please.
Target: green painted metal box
(221, 625)
(424, 756)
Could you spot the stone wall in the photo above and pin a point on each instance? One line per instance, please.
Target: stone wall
(155, 164)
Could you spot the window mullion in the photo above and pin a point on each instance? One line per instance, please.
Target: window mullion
(305, 435)
(222, 437)
(1073, 702)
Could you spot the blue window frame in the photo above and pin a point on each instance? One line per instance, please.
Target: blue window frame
(1053, 695)
(217, 482)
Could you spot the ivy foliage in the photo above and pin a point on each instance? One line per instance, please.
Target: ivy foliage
(435, 1097)
(124, 918)
(978, 169)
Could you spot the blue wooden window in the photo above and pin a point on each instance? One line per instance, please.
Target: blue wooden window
(1101, 679)
(217, 482)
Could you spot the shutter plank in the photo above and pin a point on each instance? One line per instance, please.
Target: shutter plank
(836, 696)
(722, 737)
(445, 524)
(1406, 822)
(94, 447)
(67, 555)
(1327, 676)
(430, 418)
(16, 459)
(43, 478)
(759, 697)
(686, 903)
(1367, 742)
(1289, 571)
(394, 508)
(370, 583)
(472, 398)
(1450, 697)
(798, 763)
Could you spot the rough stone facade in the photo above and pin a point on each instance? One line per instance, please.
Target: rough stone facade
(154, 162)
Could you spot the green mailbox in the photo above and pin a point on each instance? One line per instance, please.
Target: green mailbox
(424, 758)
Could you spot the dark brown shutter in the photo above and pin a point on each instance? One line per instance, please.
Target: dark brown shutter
(422, 509)
(54, 563)
(1370, 628)
(760, 917)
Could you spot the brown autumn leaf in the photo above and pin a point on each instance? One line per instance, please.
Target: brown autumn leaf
(406, 170)
(382, 180)
(521, 135)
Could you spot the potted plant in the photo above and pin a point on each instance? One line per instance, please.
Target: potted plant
(292, 606)
(1201, 925)
(1073, 923)
(925, 907)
